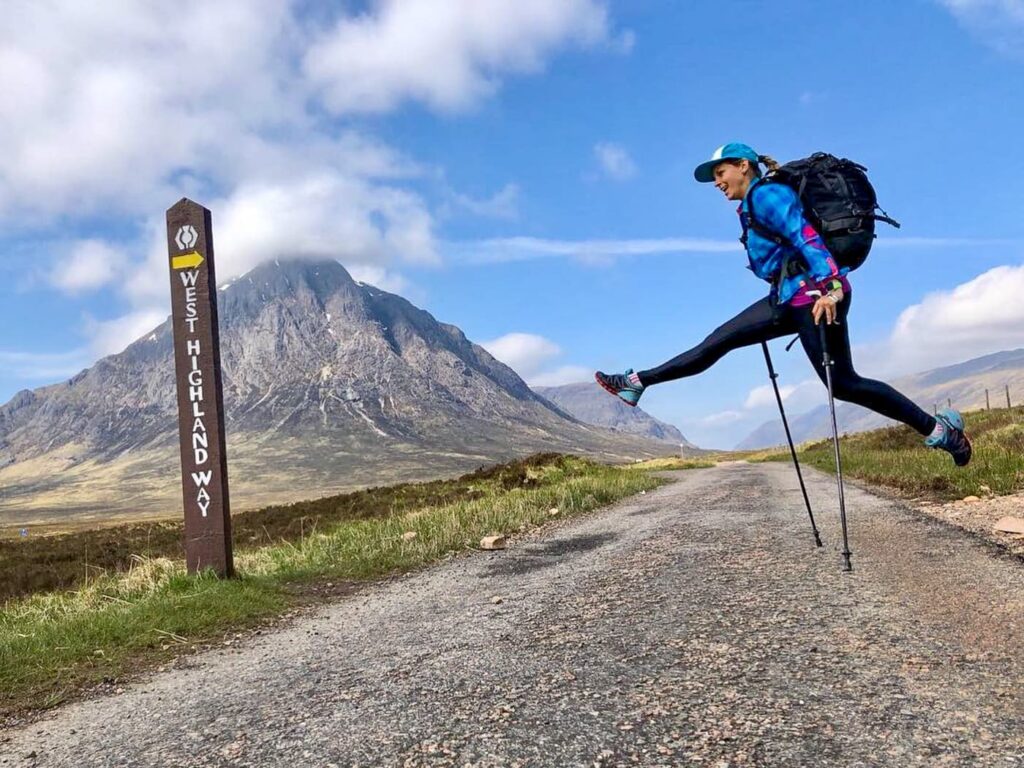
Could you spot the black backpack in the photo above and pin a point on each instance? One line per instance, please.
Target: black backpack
(839, 202)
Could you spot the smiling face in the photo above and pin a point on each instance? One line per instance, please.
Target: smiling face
(733, 178)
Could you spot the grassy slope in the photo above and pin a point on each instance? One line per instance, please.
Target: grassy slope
(67, 561)
(669, 464)
(54, 644)
(894, 457)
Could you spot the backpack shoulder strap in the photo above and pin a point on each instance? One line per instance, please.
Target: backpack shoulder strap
(756, 225)
(789, 266)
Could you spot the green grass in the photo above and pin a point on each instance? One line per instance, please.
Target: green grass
(61, 562)
(55, 643)
(895, 457)
(671, 462)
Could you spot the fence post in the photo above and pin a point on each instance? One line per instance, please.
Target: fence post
(1008, 396)
(949, 403)
(935, 409)
(988, 407)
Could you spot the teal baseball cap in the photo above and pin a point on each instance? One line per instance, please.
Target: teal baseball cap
(732, 151)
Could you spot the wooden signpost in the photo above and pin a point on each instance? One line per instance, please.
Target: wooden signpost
(204, 468)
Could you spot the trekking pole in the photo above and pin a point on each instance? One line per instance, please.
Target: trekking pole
(785, 424)
(827, 363)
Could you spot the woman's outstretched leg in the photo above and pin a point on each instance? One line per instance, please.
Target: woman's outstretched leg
(944, 432)
(751, 326)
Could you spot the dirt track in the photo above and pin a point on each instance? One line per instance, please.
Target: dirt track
(695, 625)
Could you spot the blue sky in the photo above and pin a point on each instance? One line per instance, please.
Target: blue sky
(520, 168)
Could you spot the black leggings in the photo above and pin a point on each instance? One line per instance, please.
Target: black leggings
(759, 322)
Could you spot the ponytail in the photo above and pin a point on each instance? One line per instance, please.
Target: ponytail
(768, 162)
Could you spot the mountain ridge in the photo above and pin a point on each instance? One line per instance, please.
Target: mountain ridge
(963, 383)
(592, 405)
(325, 380)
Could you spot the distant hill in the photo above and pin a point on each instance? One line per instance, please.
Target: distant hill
(591, 404)
(329, 385)
(963, 383)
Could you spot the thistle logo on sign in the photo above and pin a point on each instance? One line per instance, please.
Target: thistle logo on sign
(186, 237)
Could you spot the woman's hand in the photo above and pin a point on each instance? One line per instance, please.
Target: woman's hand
(826, 306)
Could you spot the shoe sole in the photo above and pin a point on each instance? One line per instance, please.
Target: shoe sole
(613, 391)
(970, 452)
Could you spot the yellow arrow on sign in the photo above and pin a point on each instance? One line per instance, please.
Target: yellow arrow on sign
(190, 260)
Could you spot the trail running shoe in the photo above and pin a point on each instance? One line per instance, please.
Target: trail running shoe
(620, 385)
(949, 436)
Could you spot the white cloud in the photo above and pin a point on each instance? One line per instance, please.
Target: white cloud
(120, 106)
(504, 204)
(36, 366)
(368, 227)
(104, 337)
(585, 251)
(997, 23)
(525, 353)
(900, 243)
(566, 374)
(146, 284)
(89, 264)
(615, 161)
(392, 282)
(323, 216)
(765, 395)
(798, 397)
(806, 394)
(973, 319)
(603, 252)
(120, 109)
(529, 355)
(447, 55)
(124, 108)
(108, 337)
(102, 111)
(721, 418)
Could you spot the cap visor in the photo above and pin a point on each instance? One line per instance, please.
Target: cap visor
(705, 172)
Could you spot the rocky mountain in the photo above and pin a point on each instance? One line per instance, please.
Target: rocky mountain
(963, 384)
(592, 405)
(329, 385)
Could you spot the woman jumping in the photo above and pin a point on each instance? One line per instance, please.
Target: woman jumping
(791, 306)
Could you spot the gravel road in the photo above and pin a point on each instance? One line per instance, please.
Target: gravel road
(694, 625)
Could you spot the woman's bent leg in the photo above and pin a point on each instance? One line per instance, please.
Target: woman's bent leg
(846, 383)
(751, 326)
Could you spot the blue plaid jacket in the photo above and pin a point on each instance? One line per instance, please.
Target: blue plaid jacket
(779, 210)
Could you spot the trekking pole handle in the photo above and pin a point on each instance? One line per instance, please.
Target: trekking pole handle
(820, 295)
(826, 358)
